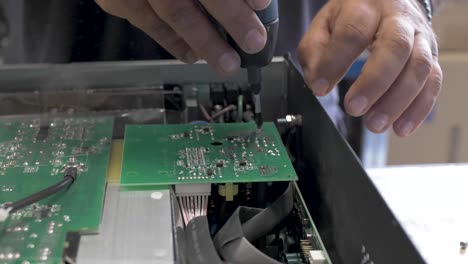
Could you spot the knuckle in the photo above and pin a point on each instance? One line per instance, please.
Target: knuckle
(434, 45)
(437, 80)
(422, 66)
(354, 32)
(363, 10)
(433, 89)
(398, 37)
(435, 49)
(399, 45)
(355, 27)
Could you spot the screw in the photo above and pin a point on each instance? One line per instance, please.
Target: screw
(291, 120)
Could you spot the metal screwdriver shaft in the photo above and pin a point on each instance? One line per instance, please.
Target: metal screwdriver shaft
(255, 62)
(255, 81)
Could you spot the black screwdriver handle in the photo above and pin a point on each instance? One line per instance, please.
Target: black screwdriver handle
(270, 19)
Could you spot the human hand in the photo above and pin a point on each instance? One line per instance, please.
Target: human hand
(401, 79)
(186, 32)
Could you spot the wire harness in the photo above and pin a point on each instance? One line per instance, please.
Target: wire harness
(193, 200)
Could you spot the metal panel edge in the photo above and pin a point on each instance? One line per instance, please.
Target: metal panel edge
(364, 230)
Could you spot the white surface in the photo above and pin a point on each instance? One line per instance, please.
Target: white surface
(136, 228)
(317, 257)
(431, 203)
(156, 195)
(4, 214)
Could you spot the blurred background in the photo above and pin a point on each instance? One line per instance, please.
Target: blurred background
(444, 136)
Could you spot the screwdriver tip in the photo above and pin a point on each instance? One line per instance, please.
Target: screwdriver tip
(259, 121)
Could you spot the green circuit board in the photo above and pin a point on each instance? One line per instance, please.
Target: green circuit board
(215, 153)
(33, 155)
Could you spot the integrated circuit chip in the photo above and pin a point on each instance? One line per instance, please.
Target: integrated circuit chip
(215, 153)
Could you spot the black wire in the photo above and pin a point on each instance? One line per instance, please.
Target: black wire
(65, 182)
(70, 176)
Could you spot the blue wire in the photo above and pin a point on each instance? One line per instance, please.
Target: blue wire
(199, 122)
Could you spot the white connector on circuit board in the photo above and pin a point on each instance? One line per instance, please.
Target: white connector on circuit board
(193, 189)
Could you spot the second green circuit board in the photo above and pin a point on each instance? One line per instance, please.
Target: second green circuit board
(215, 153)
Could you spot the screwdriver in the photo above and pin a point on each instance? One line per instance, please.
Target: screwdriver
(254, 76)
(255, 62)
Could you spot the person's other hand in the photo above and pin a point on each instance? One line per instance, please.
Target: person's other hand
(401, 79)
(183, 29)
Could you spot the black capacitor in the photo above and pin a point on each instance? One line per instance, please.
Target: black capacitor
(232, 93)
(43, 133)
(217, 95)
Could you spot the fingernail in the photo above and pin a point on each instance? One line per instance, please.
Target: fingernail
(406, 128)
(254, 41)
(320, 86)
(378, 121)
(229, 62)
(357, 105)
(190, 57)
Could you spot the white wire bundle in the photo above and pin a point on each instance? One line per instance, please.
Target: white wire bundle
(193, 206)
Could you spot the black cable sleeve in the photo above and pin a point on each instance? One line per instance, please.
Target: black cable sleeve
(247, 224)
(64, 183)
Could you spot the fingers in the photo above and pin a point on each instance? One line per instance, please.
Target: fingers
(186, 19)
(115, 8)
(140, 14)
(420, 108)
(351, 34)
(240, 21)
(148, 21)
(389, 55)
(313, 43)
(258, 4)
(401, 78)
(186, 32)
(404, 90)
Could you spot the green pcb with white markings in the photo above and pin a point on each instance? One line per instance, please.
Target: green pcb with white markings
(215, 153)
(33, 155)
